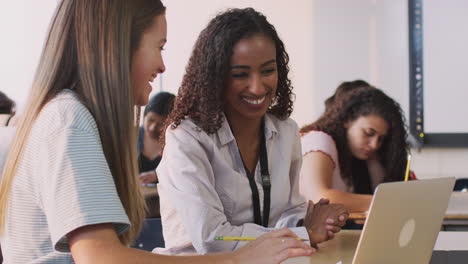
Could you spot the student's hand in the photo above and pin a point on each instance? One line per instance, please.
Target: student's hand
(148, 177)
(323, 220)
(273, 247)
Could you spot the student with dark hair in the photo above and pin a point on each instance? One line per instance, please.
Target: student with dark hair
(7, 109)
(232, 155)
(357, 144)
(69, 192)
(149, 146)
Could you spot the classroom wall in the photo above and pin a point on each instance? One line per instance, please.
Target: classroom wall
(187, 18)
(329, 41)
(23, 25)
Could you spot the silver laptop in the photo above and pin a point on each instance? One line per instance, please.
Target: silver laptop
(404, 221)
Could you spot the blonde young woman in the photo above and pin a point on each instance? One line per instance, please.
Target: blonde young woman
(70, 191)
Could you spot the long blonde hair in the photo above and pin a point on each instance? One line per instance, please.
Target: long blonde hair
(89, 47)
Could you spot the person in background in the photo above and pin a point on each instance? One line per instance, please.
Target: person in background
(7, 130)
(149, 146)
(357, 144)
(7, 109)
(69, 193)
(232, 155)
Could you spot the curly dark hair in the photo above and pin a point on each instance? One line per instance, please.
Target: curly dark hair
(394, 150)
(200, 96)
(343, 89)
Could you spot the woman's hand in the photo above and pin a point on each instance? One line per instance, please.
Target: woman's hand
(273, 247)
(323, 219)
(148, 177)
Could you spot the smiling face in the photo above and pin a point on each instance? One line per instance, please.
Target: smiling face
(253, 78)
(147, 61)
(365, 135)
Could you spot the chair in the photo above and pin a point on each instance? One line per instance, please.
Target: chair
(461, 185)
(353, 224)
(151, 235)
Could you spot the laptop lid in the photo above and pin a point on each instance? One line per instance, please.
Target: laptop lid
(404, 221)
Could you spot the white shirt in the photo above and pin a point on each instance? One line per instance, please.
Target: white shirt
(204, 190)
(62, 182)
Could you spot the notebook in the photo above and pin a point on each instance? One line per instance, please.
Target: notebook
(404, 221)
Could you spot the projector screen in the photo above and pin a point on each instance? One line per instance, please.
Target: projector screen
(445, 66)
(438, 68)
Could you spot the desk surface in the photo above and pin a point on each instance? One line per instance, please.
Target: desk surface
(342, 248)
(457, 208)
(149, 191)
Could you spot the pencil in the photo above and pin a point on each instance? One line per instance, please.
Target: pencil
(408, 163)
(225, 238)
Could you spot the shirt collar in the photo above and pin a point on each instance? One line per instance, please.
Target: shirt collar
(225, 134)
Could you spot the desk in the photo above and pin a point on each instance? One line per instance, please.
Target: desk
(149, 191)
(456, 216)
(343, 246)
(152, 201)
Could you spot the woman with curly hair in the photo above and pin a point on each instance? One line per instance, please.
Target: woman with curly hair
(357, 144)
(232, 157)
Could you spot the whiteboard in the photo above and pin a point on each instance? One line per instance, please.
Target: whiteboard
(445, 49)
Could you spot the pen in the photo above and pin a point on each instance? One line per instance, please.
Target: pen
(225, 238)
(408, 163)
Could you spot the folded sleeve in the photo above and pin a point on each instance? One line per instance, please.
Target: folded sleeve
(78, 188)
(322, 142)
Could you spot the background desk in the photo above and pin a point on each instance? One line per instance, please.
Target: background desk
(450, 247)
(152, 201)
(149, 191)
(456, 216)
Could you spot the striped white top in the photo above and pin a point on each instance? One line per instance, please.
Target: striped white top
(63, 182)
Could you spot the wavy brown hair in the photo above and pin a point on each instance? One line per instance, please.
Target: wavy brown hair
(200, 96)
(343, 89)
(89, 47)
(393, 152)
